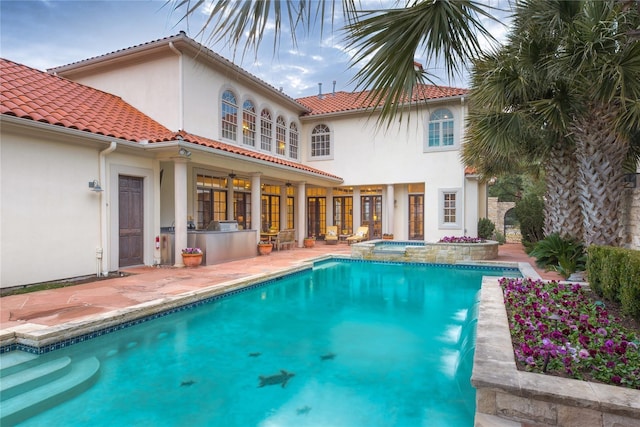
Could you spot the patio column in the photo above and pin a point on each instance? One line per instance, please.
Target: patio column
(180, 210)
(301, 211)
(230, 201)
(390, 209)
(283, 207)
(330, 217)
(256, 205)
(356, 210)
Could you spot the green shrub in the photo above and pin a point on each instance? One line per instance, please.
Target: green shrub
(564, 255)
(530, 213)
(614, 274)
(613, 261)
(630, 285)
(595, 261)
(499, 237)
(485, 228)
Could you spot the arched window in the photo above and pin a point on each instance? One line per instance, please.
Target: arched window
(229, 123)
(266, 130)
(293, 141)
(321, 141)
(441, 128)
(248, 124)
(281, 136)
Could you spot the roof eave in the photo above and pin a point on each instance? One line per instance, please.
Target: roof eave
(356, 111)
(179, 39)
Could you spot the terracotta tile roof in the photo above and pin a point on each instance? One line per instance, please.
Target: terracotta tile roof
(32, 94)
(354, 101)
(249, 153)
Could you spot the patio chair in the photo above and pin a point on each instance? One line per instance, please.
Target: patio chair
(331, 238)
(361, 234)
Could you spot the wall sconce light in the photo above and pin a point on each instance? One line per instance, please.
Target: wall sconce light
(184, 152)
(95, 186)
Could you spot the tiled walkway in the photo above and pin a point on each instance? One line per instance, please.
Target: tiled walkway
(145, 284)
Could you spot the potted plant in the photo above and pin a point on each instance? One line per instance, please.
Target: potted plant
(191, 257)
(387, 236)
(309, 241)
(264, 247)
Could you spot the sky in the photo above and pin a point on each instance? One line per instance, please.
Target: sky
(48, 33)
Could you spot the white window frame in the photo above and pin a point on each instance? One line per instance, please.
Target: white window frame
(249, 120)
(281, 136)
(266, 141)
(439, 123)
(294, 141)
(443, 205)
(328, 134)
(229, 128)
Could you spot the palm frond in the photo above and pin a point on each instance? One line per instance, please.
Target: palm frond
(386, 42)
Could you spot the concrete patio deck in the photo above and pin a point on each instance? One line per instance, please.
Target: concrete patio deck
(147, 284)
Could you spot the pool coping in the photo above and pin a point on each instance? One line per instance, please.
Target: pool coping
(40, 339)
(537, 399)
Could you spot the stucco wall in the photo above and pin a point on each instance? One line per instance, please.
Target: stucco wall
(365, 154)
(151, 86)
(50, 223)
(203, 88)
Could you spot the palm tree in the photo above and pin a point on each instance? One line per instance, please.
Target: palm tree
(603, 62)
(385, 41)
(519, 113)
(573, 74)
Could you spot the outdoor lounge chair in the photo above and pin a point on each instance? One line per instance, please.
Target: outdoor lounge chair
(361, 234)
(331, 238)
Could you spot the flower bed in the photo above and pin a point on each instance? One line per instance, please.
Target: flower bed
(556, 329)
(461, 239)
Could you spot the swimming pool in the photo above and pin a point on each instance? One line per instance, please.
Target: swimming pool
(346, 344)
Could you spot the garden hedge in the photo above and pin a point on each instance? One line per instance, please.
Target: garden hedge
(614, 273)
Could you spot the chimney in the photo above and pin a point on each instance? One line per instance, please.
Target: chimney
(334, 88)
(319, 90)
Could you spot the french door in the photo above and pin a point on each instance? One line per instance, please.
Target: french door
(371, 215)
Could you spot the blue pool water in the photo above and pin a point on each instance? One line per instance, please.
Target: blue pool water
(369, 344)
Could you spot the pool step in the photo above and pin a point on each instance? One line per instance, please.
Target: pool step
(47, 385)
(21, 382)
(14, 361)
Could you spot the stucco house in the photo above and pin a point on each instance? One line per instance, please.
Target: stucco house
(126, 158)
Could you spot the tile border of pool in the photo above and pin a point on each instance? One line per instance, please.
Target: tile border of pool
(39, 339)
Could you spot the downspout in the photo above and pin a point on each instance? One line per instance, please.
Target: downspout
(181, 88)
(101, 257)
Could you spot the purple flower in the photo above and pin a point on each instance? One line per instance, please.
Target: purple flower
(583, 354)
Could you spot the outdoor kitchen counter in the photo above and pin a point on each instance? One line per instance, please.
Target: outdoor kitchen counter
(218, 246)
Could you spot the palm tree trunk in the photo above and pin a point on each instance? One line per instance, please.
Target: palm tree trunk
(601, 152)
(562, 210)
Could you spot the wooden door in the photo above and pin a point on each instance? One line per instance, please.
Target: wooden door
(131, 220)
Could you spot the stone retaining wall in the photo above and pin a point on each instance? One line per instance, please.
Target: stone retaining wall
(443, 253)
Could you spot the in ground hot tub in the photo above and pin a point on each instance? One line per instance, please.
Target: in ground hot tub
(419, 251)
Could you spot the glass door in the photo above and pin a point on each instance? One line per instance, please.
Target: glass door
(416, 217)
(372, 215)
